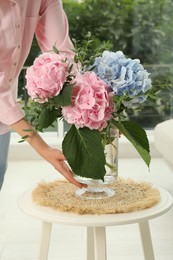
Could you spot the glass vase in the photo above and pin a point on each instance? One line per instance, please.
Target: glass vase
(96, 188)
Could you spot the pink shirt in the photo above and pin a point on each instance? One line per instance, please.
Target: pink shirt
(19, 20)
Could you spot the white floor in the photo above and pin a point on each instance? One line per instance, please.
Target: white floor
(20, 234)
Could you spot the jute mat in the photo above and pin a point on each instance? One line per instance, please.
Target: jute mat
(129, 196)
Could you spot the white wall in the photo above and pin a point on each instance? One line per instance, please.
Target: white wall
(23, 151)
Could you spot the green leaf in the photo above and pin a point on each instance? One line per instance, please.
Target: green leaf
(21, 141)
(24, 137)
(84, 152)
(27, 130)
(70, 68)
(55, 49)
(64, 97)
(137, 136)
(47, 117)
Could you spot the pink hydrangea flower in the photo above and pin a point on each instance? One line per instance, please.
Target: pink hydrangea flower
(92, 103)
(46, 77)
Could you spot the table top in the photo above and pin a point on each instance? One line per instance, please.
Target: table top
(68, 218)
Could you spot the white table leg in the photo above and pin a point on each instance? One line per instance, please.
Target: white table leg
(100, 243)
(45, 240)
(90, 243)
(146, 240)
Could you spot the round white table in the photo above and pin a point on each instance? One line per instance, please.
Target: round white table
(96, 224)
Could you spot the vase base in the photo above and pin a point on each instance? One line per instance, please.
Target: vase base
(95, 193)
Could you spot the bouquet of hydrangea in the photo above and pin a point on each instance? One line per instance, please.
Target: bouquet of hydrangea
(93, 99)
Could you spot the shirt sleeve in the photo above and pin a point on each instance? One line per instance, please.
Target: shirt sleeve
(10, 109)
(52, 28)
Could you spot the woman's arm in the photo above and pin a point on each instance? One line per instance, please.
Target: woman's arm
(52, 155)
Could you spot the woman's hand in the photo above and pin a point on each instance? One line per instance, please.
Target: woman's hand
(53, 156)
(57, 160)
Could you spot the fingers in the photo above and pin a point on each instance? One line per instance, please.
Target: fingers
(62, 167)
(68, 174)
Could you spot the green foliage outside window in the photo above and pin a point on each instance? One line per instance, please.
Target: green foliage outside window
(140, 28)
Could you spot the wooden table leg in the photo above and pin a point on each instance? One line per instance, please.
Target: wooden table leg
(146, 240)
(90, 244)
(100, 243)
(45, 240)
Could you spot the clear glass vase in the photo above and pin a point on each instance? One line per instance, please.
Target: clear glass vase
(98, 189)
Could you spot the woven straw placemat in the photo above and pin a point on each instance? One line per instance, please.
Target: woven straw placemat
(129, 196)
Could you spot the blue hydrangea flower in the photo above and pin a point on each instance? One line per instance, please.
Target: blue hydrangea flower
(125, 76)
